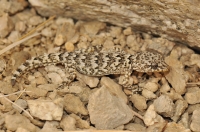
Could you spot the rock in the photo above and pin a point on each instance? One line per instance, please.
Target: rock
(20, 102)
(50, 126)
(75, 89)
(151, 117)
(180, 107)
(20, 26)
(90, 81)
(6, 25)
(48, 87)
(165, 88)
(36, 92)
(173, 127)
(80, 123)
(108, 44)
(108, 111)
(68, 123)
(84, 94)
(139, 102)
(19, 57)
(6, 88)
(193, 95)
(184, 120)
(46, 110)
(64, 33)
(20, 129)
(148, 94)
(164, 106)
(127, 31)
(173, 95)
(114, 88)
(177, 73)
(55, 78)
(166, 26)
(115, 32)
(47, 32)
(35, 20)
(17, 6)
(131, 41)
(195, 124)
(12, 122)
(157, 127)
(69, 46)
(73, 104)
(134, 127)
(92, 28)
(161, 45)
(40, 80)
(14, 36)
(191, 108)
(151, 86)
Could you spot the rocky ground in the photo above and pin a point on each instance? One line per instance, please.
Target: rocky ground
(168, 101)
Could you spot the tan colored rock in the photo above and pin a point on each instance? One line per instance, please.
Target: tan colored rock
(20, 26)
(139, 102)
(160, 20)
(6, 25)
(80, 123)
(14, 36)
(48, 32)
(36, 92)
(128, 31)
(92, 28)
(115, 32)
(185, 120)
(134, 127)
(158, 127)
(20, 102)
(176, 76)
(6, 88)
(148, 94)
(193, 96)
(195, 124)
(151, 117)
(164, 106)
(151, 86)
(69, 46)
(113, 87)
(12, 122)
(68, 123)
(64, 33)
(50, 126)
(20, 129)
(108, 111)
(46, 109)
(180, 107)
(89, 80)
(173, 127)
(73, 104)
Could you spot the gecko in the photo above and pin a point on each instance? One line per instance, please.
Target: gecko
(94, 61)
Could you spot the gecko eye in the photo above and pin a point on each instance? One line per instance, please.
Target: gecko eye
(155, 66)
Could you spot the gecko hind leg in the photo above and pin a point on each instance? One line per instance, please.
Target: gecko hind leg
(71, 75)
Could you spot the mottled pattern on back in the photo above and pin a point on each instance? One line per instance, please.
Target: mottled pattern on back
(96, 62)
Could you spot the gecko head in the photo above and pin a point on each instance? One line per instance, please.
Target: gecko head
(150, 61)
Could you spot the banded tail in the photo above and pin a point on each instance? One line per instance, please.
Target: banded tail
(39, 61)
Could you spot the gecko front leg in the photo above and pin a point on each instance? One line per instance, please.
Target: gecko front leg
(125, 80)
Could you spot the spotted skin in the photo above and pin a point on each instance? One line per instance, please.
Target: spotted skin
(97, 62)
